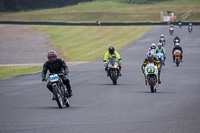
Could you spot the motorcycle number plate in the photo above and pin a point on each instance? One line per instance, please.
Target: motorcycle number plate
(150, 69)
(53, 78)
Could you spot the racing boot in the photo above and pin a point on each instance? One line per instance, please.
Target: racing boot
(53, 98)
(181, 59)
(145, 81)
(70, 92)
(120, 68)
(120, 73)
(107, 74)
(159, 82)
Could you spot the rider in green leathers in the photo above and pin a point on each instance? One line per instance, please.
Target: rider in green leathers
(161, 49)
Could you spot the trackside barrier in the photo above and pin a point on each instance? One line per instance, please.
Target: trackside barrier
(93, 24)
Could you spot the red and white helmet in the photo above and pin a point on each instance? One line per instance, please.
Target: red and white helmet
(52, 56)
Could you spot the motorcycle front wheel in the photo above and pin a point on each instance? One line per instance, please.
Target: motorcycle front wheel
(114, 77)
(58, 95)
(151, 84)
(177, 62)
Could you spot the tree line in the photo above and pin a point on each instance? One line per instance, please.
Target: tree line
(18, 5)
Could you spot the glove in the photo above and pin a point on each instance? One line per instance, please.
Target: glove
(66, 72)
(43, 79)
(105, 64)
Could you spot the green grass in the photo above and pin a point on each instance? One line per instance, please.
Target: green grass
(87, 43)
(108, 11)
(10, 71)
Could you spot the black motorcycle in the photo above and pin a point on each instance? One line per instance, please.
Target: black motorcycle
(59, 90)
(180, 24)
(113, 69)
(176, 41)
(189, 29)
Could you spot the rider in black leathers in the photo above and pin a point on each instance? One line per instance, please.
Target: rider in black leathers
(56, 65)
(177, 38)
(177, 47)
(153, 46)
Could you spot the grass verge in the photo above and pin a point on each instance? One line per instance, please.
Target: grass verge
(87, 43)
(10, 71)
(108, 11)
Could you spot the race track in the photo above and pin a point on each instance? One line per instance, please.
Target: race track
(100, 107)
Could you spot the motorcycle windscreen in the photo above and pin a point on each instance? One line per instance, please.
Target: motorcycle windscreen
(112, 61)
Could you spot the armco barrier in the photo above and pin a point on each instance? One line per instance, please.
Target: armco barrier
(93, 24)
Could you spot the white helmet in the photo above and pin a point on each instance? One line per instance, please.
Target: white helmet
(161, 35)
(153, 44)
(190, 24)
(177, 44)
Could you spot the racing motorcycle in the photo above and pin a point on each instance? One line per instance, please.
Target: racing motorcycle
(190, 29)
(59, 90)
(151, 74)
(176, 41)
(113, 69)
(162, 40)
(161, 59)
(171, 30)
(177, 54)
(180, 24)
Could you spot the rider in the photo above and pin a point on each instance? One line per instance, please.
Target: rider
(190, 26)
(177, 47)
(151, 58)
(109, 54)
(171, 26)
(56, 65)
(161, 49)
(162, 37)
(177, 38)
(153, 46)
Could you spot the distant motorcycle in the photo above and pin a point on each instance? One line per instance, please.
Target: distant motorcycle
(161, 59)
(171, 30)
(177, 54)
(113, 69)
(151, 73)
(59, 90)
(180, 24)
(162, 41)
(190, 29)
(176, 41)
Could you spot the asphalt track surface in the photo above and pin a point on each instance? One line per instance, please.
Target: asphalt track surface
(20, 45)
(100, 107)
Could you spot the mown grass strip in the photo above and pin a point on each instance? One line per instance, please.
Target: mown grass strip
(87, 43)
(10, 71)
